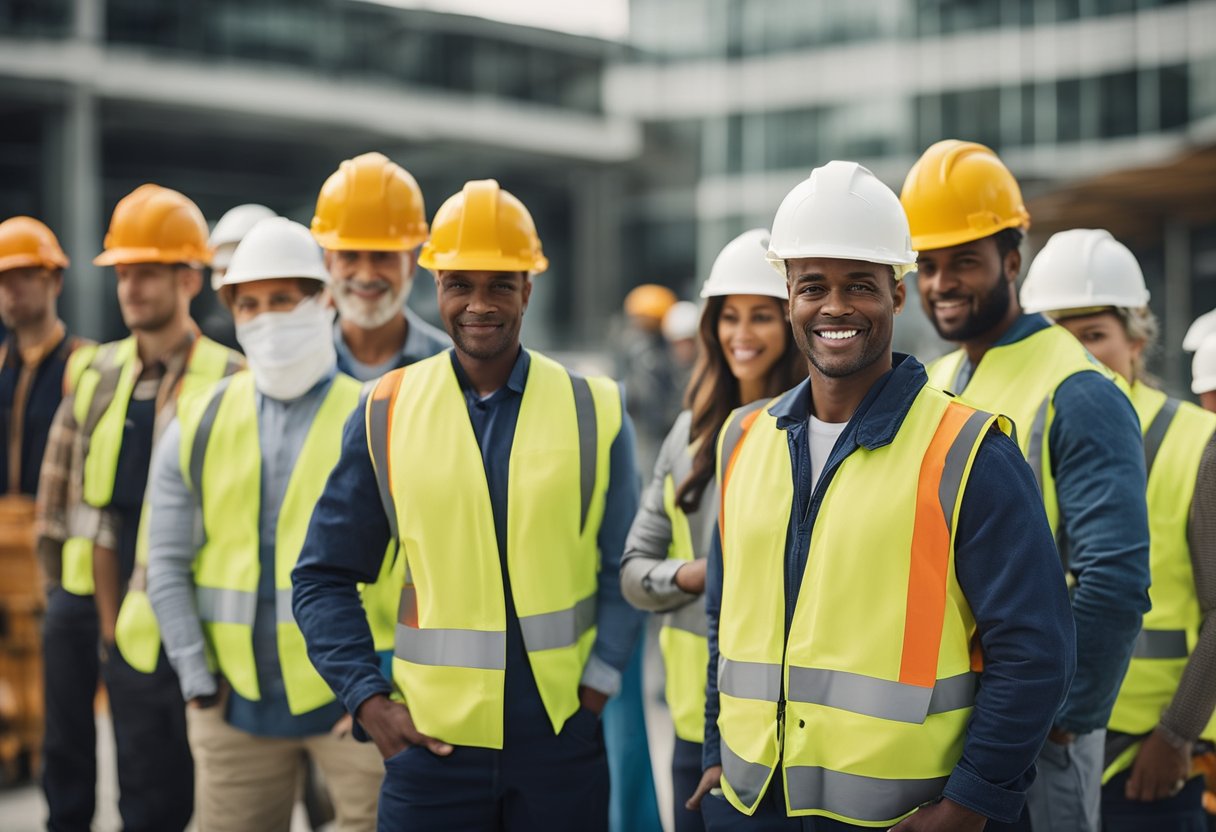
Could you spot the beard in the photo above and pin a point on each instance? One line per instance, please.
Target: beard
(990, 310)
(484, 349)
(831, 365)
(375, 314)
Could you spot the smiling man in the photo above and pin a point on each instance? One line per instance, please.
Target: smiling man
(511, 484)
(889, 634)
(370, 220)
(1079, 433)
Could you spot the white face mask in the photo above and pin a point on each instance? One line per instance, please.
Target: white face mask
(289, 352)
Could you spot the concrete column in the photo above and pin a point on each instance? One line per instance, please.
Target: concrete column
(77, 195)
(1177, 245)
(596, 242)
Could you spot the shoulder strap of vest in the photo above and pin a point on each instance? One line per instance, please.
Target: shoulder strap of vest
(202, 435)
(1157, 430)
(109, 361)
(733, 433)
(83, 354)
(588, 445)
(378, 415)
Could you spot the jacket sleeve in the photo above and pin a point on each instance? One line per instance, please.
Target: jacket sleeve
(711, 750)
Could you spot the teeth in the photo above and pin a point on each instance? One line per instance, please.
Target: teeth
(838, 335)
(745, 355)
(950, 304)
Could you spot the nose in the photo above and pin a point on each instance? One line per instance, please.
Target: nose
(480, 302)
(364, 270)
(836, 304)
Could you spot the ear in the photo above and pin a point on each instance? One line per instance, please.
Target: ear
(409, 263)
(526, 289)
(1013, 265)
(56, 278)
(191, 281)
(899, 295)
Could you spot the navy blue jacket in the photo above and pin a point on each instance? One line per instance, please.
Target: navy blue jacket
(1006, 565)
(41, 401)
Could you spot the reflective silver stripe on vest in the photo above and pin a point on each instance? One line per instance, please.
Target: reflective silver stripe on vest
(378, 442)
(198, 449)
(747, 779)
(588, 450)
(1156, 432)
(1161, 644)
(563, 628)
(226, 606)
(956, 464)
(1034, 451)
(868, 799)
(282, 607)
(749, 680)
(479, 649)
(881, 698)
(690, 618)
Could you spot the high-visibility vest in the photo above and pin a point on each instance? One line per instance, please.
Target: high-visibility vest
(682, 637)
(449, 660)
(865, 704)
(1176, 434)
(1020, 381)
(103, 378)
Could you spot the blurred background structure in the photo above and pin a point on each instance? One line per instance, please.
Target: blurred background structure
(643, 134)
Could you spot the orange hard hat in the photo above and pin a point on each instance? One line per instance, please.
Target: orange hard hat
(958, 192)
(155, 225)
(483, 228)
(25, 242)
(370, 204)
(650, 300)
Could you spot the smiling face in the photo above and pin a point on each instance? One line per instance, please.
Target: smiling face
(752, 330)
(967, 290)
(843, 312)
(152, 295)
(483, 311)
(1106, 338)
(370, 287)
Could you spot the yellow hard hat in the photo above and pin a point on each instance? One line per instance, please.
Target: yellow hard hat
(155, 225)
(483, 228)
(26, 242)
(958, 192)
(650, 300)
(370, 204)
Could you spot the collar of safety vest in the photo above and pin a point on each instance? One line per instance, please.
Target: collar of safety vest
(880, 413)
(515, 382)
(1025, 326)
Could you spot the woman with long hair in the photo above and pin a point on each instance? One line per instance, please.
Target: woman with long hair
(747, 353)
(1092, 285)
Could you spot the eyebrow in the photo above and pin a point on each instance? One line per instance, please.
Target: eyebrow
(821, 276)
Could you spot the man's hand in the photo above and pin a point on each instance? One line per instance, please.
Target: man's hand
(691, 577)
(943, 816)
(711, 779)
(391, 728)
(1160, 770)
(592, 699)
(342, 727)
(210, 700)
(1060, 737)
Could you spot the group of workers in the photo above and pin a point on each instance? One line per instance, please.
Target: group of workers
(963, 596)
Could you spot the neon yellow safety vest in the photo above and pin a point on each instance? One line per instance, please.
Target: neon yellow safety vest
(450, 655)
(1020, 380)
(682, 637)
(103, 378)
(865, 704)
(1175, 436)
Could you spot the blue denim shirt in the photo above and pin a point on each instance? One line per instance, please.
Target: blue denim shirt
(421, 341)
(1006, 565)
(1097, 459)
(349, 532)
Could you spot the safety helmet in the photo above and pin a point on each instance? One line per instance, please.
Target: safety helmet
(370, 204)
(1203, 366)
(275, 248)
(232, 228)
(155, 225)
(483, 228)
(958, 192)
(741, 268)
(681, 321)
(650, 301)
(25, 242)
(1200, 329)
(842, 210)
(1085, 268)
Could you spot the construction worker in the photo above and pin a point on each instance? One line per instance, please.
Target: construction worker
(250, 455)
(1092, 286)
(645, 367)
(228, 232)
(887, 620)
(747, 353)
(91, 498)
(1201, 340)
(512, 631)
(680, 326)
(1076, 428)
(370, 220)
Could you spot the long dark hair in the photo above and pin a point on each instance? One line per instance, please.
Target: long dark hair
(713, 393)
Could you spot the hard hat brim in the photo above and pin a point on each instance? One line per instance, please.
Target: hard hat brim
(1077, 307)
(481, 263)
(25, 261)
(957, 237)
(132, 256)
(332, 241)
(724, 289)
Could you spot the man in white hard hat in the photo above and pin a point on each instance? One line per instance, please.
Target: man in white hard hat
(680, 332)
(251, 456)
(1203, 373)
(228, 232)
(888, 622)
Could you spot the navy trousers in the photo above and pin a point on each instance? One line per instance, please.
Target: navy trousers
(550, 783)
(685, 777)
(1181, 813)
(71, 668)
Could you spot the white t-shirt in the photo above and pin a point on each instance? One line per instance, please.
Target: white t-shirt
(823, 440)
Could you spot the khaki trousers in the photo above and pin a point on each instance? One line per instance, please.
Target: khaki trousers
(246, 782)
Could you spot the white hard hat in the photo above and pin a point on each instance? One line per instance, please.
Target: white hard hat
(742, 268)
(681, 321)
(843, 211)
(1082, 269)
(276, 248)
(1203, 366)
(1201, 328)
(232, 228)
